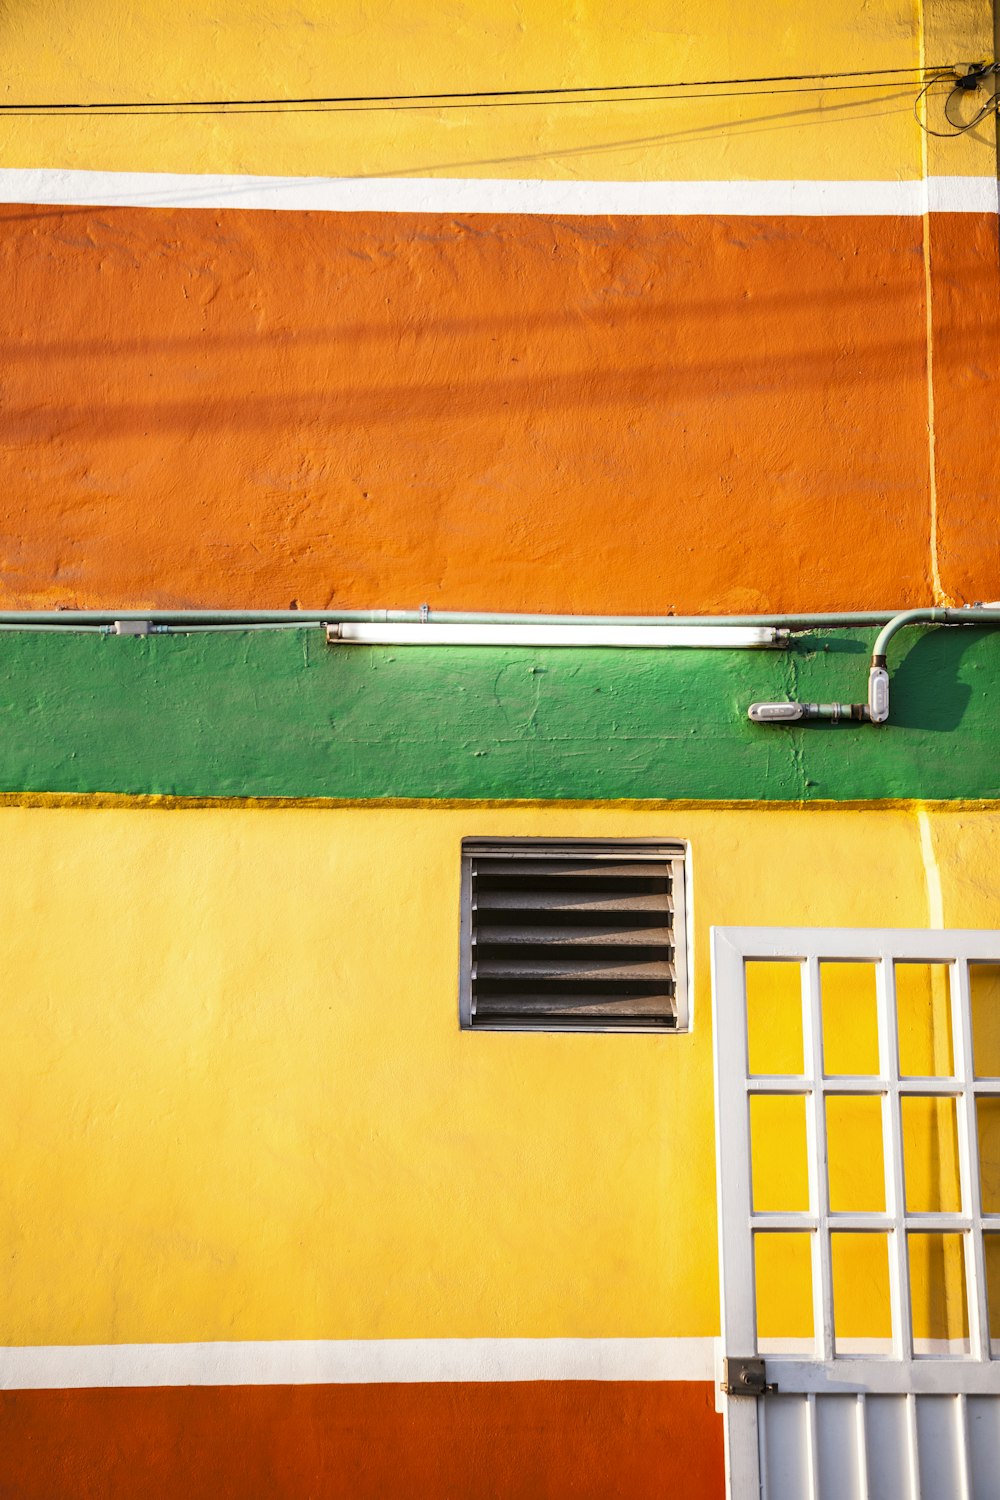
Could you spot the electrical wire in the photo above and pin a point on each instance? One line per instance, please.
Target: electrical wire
(164, 112)
(958, 86)
(498, 98)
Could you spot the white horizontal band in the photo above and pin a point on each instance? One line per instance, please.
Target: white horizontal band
(461, 195)
(354, 1361)
(633, 636)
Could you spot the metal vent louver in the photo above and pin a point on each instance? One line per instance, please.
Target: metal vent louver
(573, 937)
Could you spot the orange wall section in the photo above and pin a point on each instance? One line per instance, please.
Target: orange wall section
(964, 259)
(622, 415)
(591, 1441)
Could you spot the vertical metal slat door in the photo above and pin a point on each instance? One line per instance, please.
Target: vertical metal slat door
(857, 1355)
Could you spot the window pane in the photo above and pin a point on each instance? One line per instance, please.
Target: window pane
(984, 984)
(923, 1007)
(784, 1292)
(778, 1153)
(930, 1155)
(937, 1294)
(862, 1313)
(854, 1153)
(988, 1115)
(850, 1018)
(774, 1017)
(991, 1246)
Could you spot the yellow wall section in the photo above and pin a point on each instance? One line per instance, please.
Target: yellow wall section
(242, 1107)
(57, 50)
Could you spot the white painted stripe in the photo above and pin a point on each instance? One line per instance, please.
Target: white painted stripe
(459, 195)
(354, 1361)
(971, 195)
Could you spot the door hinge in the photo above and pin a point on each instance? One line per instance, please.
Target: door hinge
(744, 1375)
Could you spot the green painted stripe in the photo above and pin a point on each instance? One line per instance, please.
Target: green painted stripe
(285, 715)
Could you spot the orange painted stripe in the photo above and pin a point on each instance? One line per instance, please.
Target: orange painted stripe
(499, 412)
(965, 304)
(516, 1441)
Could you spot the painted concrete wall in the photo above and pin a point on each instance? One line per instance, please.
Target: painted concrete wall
(226, 1074)
(61, 52)
(273, 1224)
(417, 395)
(283, 715)
(217, 1081)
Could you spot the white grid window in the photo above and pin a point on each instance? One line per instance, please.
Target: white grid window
(914, 1411)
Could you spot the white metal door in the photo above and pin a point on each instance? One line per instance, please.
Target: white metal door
(904, 1413)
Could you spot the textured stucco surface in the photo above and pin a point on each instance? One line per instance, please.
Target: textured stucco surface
(563, 1440)
(230, 1065)
(484, 411)
(56, 49)
(687, 414)
(226, 1029)
(282, 714)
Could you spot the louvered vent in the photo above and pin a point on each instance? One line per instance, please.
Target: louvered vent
(572, 936)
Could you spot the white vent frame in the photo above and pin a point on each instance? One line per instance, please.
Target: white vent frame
(674, 851)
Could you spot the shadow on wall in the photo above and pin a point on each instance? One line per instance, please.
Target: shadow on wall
(628, 414)
(867, 104)
(823, 113)
(928, 690)
(614, 302)
(606, 337)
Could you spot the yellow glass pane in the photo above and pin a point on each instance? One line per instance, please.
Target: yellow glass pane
(984, 985)
(778, 1153)
(850, 1018)
(854, 1154)
(988, 1115)
(930, 1155)
(774, 1017)
(862, 1312)
(784, 1290)
(991, 1246)
(923, 1007)
(937, 1294)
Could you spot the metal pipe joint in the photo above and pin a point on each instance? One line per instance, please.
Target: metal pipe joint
(876, 710)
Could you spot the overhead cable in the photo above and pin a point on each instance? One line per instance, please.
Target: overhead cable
(964, 83)
(495, 98)
(95, 112)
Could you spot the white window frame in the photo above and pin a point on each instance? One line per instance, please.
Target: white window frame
(817, 1375)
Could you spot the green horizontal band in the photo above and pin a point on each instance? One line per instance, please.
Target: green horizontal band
(285, 715)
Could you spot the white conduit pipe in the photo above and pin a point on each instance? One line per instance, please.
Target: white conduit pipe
(876, 710)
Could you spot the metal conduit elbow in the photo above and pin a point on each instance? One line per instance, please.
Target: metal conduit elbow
(876, 710)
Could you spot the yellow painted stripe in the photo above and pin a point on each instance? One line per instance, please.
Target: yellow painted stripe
(97, 52)
(230, 1057)
(97, 801)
